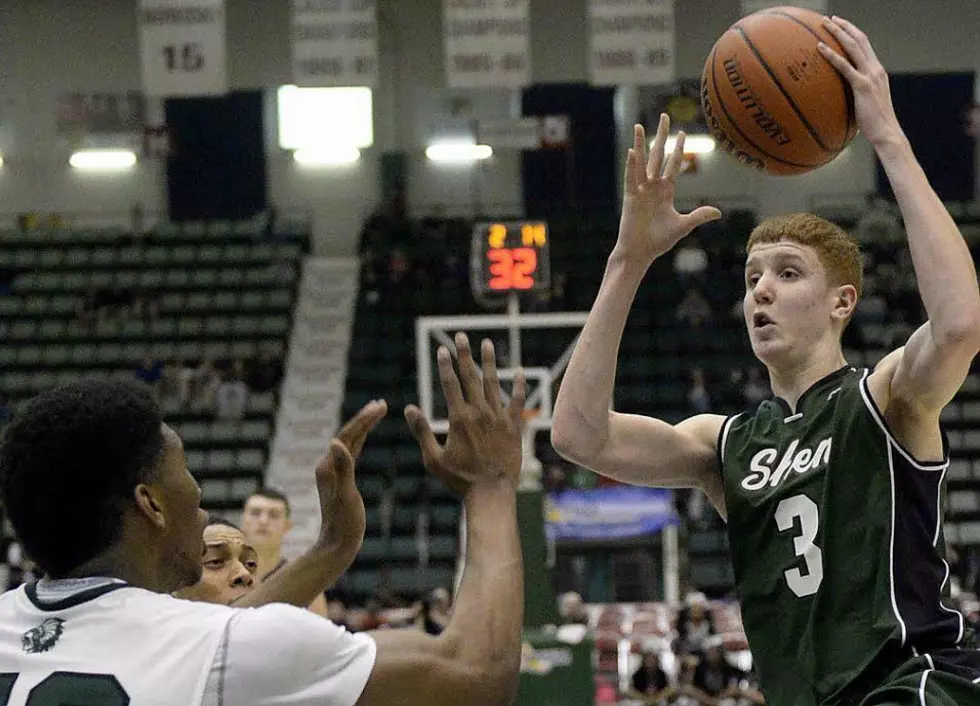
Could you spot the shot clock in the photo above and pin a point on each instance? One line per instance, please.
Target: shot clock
(509, 257)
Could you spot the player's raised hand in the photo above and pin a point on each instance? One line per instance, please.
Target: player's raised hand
(484, 435)
(342, 515)
(868, 80)
(650, 225)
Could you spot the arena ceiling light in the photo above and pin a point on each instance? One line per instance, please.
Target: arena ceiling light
(457, 152)
(693, 144)
(327, 156)
(103, 160)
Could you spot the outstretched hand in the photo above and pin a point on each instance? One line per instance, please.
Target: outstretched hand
(650, 225)
(868, 80)
(342, 514)
(484, 438)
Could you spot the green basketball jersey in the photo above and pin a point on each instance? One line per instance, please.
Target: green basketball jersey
(836, 543)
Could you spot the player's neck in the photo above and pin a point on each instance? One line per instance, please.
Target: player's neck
(117, 563)
(269, 558)
(791, 381)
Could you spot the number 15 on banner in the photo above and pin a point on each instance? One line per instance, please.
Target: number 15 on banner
(182, 47)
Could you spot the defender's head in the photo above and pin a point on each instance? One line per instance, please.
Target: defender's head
(803, 279)
(230, 565)
(265, 519)
(90, 471)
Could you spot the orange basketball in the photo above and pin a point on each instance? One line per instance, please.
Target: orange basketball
(771, 99)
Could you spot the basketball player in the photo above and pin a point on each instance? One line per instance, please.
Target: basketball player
(831, 490)
(97, 488)
(231, 564)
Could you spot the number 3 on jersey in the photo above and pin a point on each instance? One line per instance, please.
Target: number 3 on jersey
(786, 513)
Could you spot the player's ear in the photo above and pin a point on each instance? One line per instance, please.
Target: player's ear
(845, 302)
(150, 504)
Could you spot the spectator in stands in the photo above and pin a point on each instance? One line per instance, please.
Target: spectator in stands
(650, 682)
(690, 262)
(880, 223)
(698, 399)
(435, 611)
(731, 398)
(231, 395)
(694, 309)
(265, 522)
(571, 609)
(337, 612)
(686, 693)
(150, 372)
(264, 374)
(714, 675)
(203, 385)
(693, 624)
(755, 389)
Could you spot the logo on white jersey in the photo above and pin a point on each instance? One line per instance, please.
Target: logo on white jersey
(763, 472)
(43, 637)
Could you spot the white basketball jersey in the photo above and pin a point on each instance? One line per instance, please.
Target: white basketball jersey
(109, 644)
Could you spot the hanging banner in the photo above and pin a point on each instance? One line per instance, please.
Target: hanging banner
(335, 43)
(631, 42)
(750, 6)
(487, 43)
(608, 513)
(182, 47)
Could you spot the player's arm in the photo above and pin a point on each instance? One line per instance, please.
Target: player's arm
(342, 522)
(631, 448)
(925, 375)
(476, 659)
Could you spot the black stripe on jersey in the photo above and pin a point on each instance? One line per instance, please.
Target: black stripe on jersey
(919, 574)
(73, 600)
(918, 571)
(963, 663)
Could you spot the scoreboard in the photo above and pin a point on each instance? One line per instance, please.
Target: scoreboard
(509, 257)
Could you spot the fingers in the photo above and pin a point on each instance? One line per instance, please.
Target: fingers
(341, 459)
(518, 396)
(447, 376)
(354, 432)
(656, 161)
(858, 57)
(845, 67)
(860, 37)
(629, 177)
(676, 158)
(491, 385)
(702, 215)
(419, 426)
(468, 374)
(640, 153)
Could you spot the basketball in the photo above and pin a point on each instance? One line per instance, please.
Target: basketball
(771, 99)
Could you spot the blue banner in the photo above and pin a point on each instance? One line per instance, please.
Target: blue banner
(608, 513)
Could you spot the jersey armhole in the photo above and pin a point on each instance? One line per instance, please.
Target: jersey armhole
(722, 439)
(879, 418)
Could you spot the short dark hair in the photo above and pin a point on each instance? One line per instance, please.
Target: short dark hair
(213, 520)
(272, 494)
(69, 462)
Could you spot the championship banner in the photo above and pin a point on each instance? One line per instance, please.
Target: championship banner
(182, 47)
(608, 513)
(487, 43)
(631, 42)
(750, 6)
(101, 113)
(335, 43)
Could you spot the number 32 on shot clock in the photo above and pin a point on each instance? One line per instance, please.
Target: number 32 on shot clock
(510, 257)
